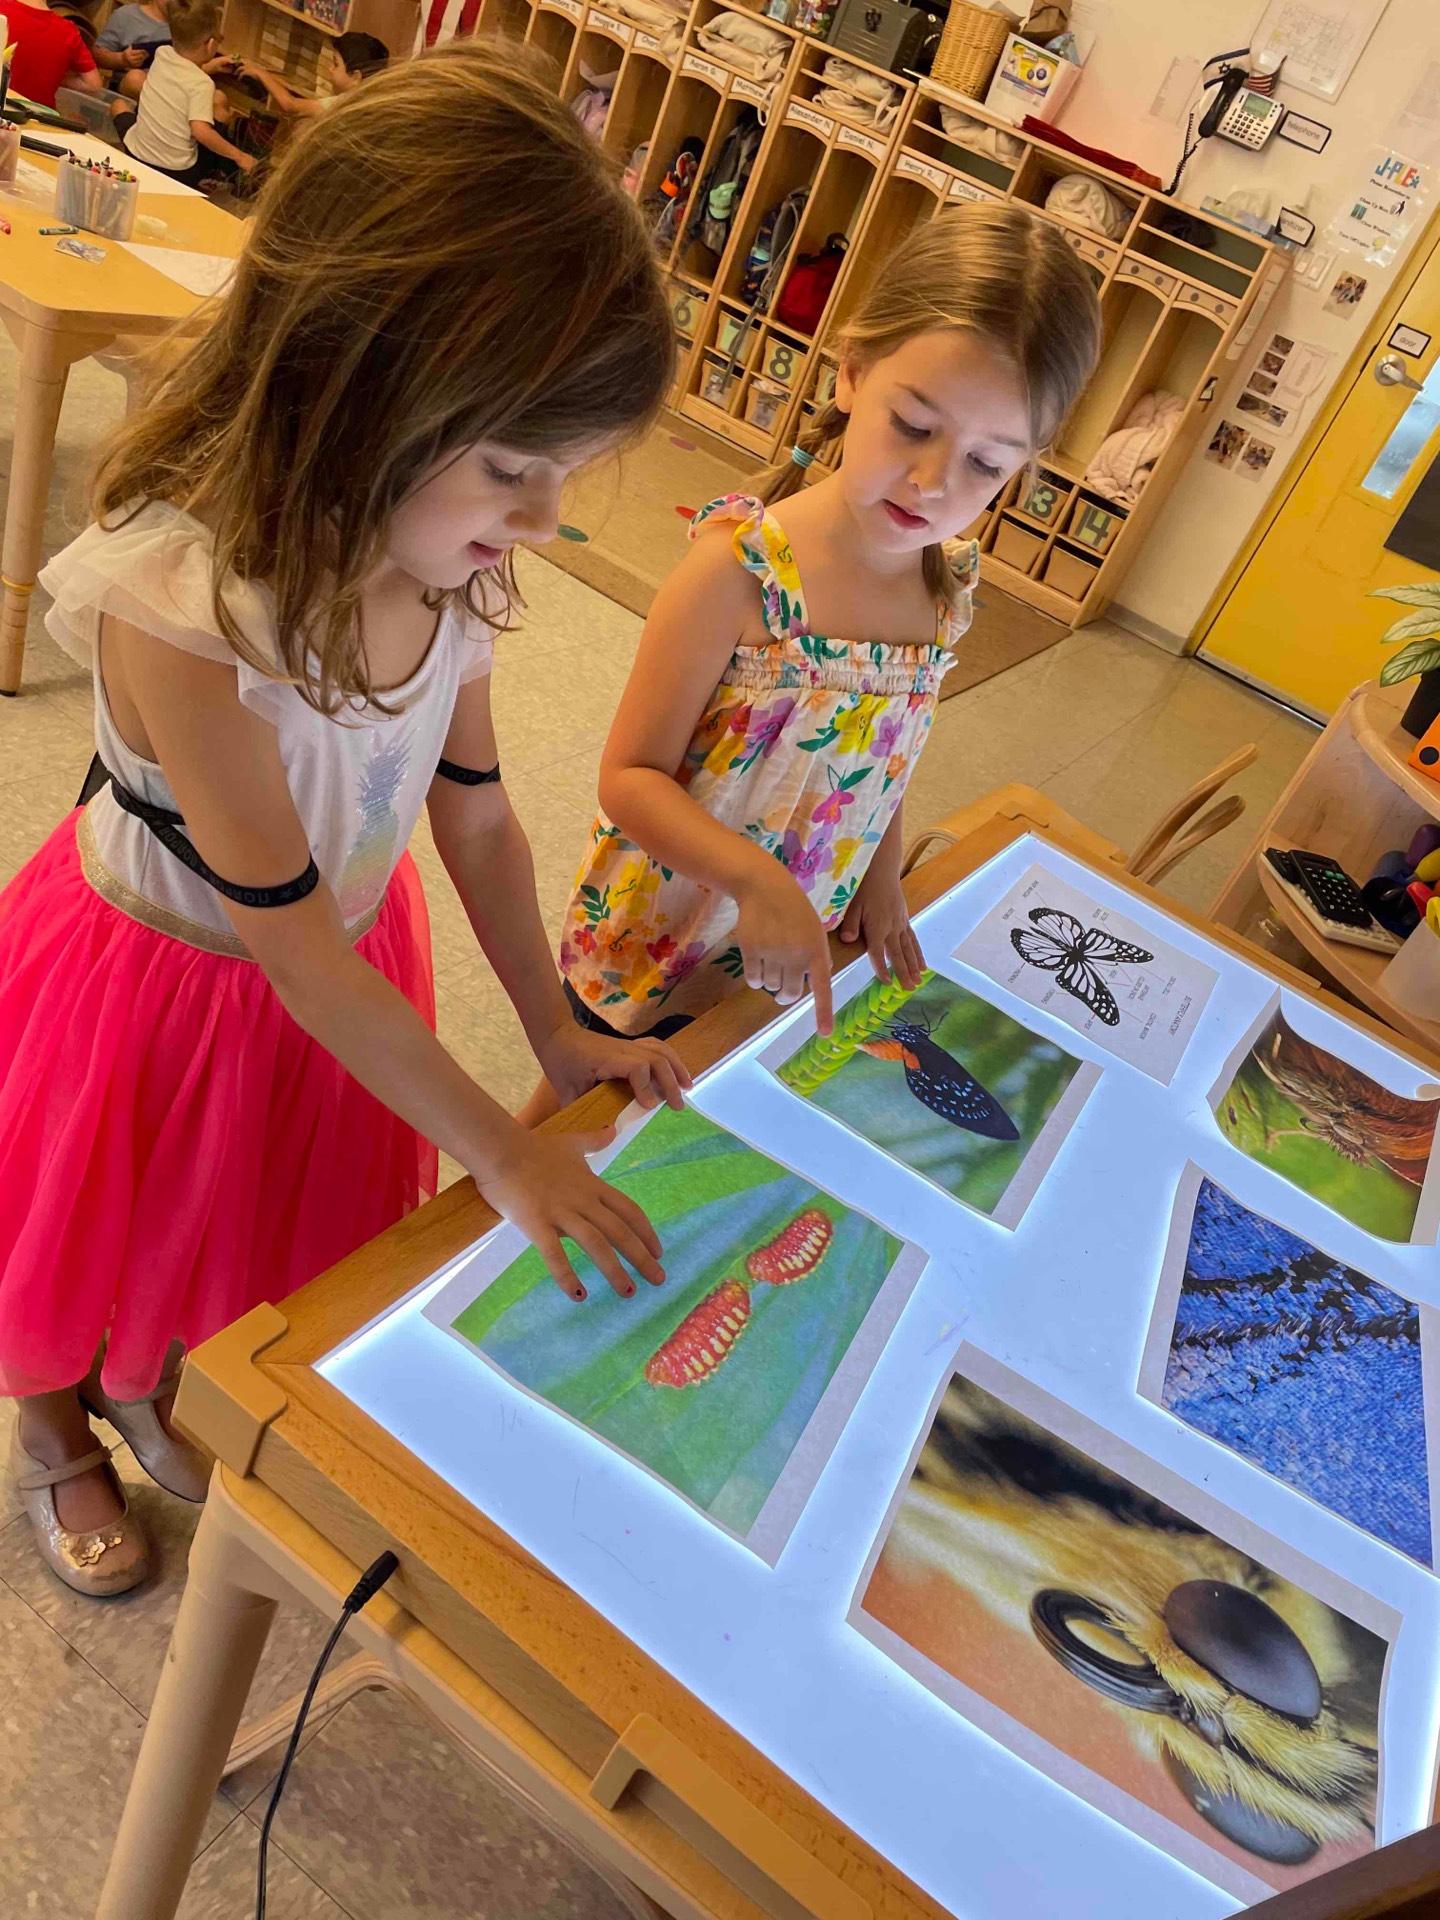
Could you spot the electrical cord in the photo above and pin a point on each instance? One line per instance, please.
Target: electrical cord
(360, 1595)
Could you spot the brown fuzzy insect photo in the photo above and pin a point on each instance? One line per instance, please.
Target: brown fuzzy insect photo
(1156, 1663)
(1359, 1148)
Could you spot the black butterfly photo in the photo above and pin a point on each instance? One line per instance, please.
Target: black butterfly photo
(938, 1081)
(1058, 943)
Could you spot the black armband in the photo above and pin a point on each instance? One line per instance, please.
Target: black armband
(467, 776)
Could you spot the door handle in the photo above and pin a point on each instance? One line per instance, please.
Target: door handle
(1390, 371)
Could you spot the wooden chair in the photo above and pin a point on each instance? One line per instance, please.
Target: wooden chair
(1160, 850)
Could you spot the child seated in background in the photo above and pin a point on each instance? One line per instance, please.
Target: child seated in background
(49, 52)
(125, 45)
(349, 60)
(173, 129)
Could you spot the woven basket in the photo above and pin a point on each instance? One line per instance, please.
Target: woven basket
(970, 47)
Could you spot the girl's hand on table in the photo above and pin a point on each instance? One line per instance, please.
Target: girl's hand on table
(574, 1060)
(782, 941)
(544, 1187)
(879, 917)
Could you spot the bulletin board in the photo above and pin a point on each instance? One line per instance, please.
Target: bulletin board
(976, 1452)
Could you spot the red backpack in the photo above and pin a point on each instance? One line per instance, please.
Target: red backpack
(809, 286)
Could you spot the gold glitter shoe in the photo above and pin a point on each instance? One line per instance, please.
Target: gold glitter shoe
(174, 1464)
(108, 1561)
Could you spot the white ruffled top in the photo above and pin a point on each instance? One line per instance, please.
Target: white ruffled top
(358, 780)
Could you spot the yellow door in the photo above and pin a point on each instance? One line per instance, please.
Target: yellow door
(1294, 617)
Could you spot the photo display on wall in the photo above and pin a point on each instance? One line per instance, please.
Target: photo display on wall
(946, 1084)
(1124, 988)
(732, 1381)
(1307, 1368)
(1214, 1690)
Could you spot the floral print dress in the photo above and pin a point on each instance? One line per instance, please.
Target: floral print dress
(805, 747)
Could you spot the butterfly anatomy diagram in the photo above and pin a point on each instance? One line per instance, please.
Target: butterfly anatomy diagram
(1082, 963)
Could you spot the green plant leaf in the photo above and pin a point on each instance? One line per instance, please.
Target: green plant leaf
(1425, 593)
(1419, 657)
(1414, 626)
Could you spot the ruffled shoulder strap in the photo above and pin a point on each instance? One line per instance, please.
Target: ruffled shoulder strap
(154, 570)
(762, 548)
(955, 616)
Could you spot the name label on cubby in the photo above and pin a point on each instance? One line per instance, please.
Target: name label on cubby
(967, 190)
(935, 177)
(647, 43)
(707, 69)
(752, 90)
(800, 116)
(574, 8)
(862, 142)
(617, 29)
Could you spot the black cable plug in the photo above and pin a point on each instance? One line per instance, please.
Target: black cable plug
(360, 1595)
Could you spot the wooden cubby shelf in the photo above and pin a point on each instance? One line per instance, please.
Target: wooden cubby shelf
(1180, 291)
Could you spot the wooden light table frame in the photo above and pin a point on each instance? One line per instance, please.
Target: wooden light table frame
(554, 1697)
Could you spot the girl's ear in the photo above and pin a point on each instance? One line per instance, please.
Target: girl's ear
(847, 384)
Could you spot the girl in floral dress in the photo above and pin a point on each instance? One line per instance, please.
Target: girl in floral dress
(752, 783)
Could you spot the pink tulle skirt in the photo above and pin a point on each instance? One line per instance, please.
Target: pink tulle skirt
(173, 1148)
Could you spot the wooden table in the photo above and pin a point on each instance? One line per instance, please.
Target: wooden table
(540, 1686)
(59, 309)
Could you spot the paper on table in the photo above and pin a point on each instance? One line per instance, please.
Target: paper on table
(202, 273)
(1129, 992)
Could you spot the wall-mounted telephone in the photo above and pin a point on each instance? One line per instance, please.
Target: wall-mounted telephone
(1249, 119)
(1242, 109)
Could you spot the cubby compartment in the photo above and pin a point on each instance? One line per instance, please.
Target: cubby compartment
(1093, 522)
(1042, 499)
(1070, 573)
(554, 30)
(505, 19)
(1016, 544)
(639, 97)
(1041, 171)
(903, 203)
(1131, 314)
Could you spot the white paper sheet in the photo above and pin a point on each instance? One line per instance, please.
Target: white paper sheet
(1057, 948)
(202, 273)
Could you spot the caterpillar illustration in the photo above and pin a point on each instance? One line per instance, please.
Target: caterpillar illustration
(707, 1334)
(795, 1251)
(703, 1338)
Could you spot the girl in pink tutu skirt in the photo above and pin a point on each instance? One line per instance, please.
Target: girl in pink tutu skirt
(218, 1069)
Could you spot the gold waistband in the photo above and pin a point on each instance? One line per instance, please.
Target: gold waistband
(135, 906)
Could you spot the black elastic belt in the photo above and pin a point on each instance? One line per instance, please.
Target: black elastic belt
(166, 826)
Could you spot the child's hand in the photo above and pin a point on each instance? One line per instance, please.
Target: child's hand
(544, 1187)
(134, 57)
(574, 1060)
(878, 916)
(782, 942)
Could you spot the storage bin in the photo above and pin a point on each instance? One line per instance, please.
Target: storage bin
(1093, 525)
(1019, 547)
(1070, 574)
(1029, 80)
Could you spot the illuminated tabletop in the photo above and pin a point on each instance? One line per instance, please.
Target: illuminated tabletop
(623, 1622)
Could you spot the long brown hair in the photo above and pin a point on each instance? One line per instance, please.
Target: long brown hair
(995, 269)
(445, 258)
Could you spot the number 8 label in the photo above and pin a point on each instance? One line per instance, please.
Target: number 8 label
(782, 364)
